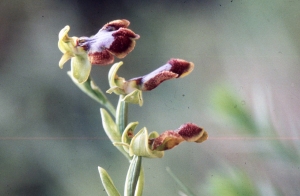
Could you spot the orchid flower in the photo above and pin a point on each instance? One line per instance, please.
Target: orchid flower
(132, 89)
(113, 39)
(153, 145)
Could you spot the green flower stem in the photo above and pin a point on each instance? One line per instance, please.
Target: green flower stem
(110, 108)
(122, 114)
(132, 177)
(92, 90)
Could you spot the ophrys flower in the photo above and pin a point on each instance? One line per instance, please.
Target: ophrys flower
(114, 38)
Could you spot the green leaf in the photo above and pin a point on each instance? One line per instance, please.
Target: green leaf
(232, 183)
(108, 183)
(132, 176)
(90, 88)
(140, 184)
(112, 130)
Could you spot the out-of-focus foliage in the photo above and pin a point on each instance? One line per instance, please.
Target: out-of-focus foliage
(234, 183)
(232, 109)
(228, 105)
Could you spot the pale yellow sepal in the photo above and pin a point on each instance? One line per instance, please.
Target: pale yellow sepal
(66, 44)
(63, 33)
(139, 145)
(80, 67)
(64, 59)
(80, 64)
(114, 80)
(134, 97)
(112, 89)
(128, 134)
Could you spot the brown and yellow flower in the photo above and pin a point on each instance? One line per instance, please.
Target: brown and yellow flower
(132, 89)
(153, 145)
(113, 39)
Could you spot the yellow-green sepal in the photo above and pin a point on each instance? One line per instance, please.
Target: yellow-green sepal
(139, 145)
(114, 80)
(128, 135)
(81, 67)
(134, 97)
(65, 57)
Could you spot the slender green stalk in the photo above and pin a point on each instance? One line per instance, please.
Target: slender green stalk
(133, 175)
(122, 114)
(92, 90)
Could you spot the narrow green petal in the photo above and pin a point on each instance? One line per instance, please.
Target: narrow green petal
(108, 183)
(112, 76)
(128, 134)
(81, 67)
(66, 43)
(63, 33)
(64, 40)
(112, 89)
(64, 59)
(153, 135)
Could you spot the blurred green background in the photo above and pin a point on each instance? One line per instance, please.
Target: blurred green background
(244, 91)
